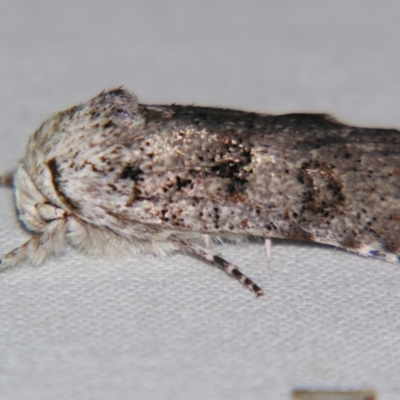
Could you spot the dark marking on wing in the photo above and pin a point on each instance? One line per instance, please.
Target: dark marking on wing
(181, 183)
(232, 166)
(131, 172)
(323, 193)
(55, 176)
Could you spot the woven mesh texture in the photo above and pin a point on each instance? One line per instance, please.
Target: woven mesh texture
(145, 328)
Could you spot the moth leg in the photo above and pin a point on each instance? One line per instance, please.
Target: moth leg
(268, 249)
(214, 259)
(207, 240)
(50, 240)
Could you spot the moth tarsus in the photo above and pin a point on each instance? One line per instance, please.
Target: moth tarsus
(115, 177)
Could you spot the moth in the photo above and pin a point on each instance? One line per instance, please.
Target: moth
(112, 176)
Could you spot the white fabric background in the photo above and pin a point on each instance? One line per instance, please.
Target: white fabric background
(145, 328)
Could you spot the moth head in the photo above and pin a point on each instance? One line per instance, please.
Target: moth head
(35, 211)
(64, 155)
(66, 148)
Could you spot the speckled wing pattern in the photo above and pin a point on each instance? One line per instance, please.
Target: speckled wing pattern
(176, 173)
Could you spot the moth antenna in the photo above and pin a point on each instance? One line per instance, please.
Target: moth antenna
(7, 179)
(213, 258)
